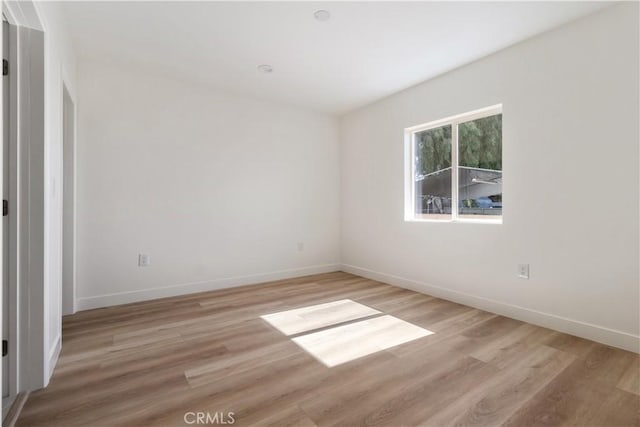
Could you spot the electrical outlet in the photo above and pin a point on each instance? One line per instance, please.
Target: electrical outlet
(144, 260)
(523, 271)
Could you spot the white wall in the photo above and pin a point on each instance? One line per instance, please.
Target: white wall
(219, 190)
(570, 150)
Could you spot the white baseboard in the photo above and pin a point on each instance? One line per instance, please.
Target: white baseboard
(98, 301)
(589, 331)
(54, 353)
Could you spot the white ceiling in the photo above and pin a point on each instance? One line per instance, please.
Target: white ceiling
(366, 51)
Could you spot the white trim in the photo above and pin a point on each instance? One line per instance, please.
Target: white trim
(9, 12)
(459, 220)
(454, 172)
(578, 328)
(88, 303)
(409, 173)
(68, 83)
(481, 220)
(68, 302)
(458, 118)
(23, 13)
(54, 353)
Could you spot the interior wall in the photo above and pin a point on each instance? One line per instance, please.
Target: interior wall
(570, 159)
(218, 190)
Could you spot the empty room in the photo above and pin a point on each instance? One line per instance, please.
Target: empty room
(301, 213)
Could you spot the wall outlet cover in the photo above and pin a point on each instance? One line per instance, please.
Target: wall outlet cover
(144, 260)
(523, 271)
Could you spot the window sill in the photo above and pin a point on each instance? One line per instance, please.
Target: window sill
(458, 220)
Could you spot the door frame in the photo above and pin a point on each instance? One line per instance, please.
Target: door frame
(68, 159)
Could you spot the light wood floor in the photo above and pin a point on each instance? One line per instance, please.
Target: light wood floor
(148, 363)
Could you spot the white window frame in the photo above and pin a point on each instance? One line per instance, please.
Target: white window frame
(410, 165)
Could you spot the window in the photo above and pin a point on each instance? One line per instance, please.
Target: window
(454, 168)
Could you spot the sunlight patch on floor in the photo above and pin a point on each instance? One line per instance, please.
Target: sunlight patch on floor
(342, 344)
(292, 322)
(340, 331)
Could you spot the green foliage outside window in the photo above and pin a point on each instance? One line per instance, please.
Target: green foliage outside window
(480, 143)
(433, 150)
(480, 146)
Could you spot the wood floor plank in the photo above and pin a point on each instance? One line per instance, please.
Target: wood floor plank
(514, 344)
(257, 392)
(579, 347)
(291, 416)
(496, 400)
(618, 408)
(577, 395)
(226, 365)
(347, 399)
(630, 380)
(149, 363)
(416, 403)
